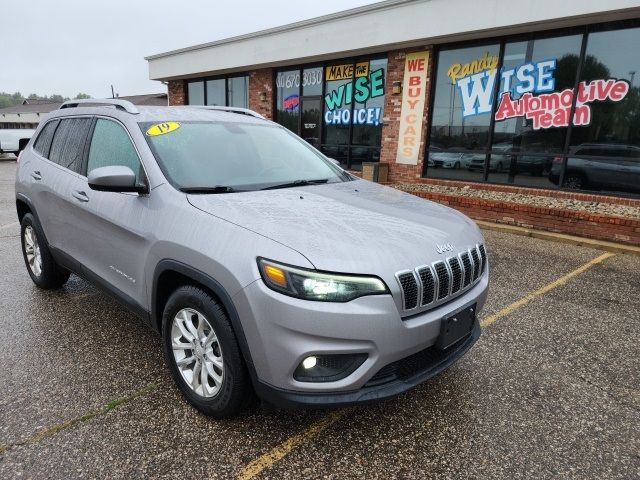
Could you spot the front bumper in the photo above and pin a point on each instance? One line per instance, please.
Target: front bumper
(281, 331)
(433, 365)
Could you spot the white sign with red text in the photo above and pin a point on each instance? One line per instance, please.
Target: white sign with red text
(413, 100)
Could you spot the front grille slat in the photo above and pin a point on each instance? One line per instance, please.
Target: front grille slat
(483, 256)
(428, 285)
(468, 269)
(442, 280)
(476, 262)
(456, 274)
(409, 289)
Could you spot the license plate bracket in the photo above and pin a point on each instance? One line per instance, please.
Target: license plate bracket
(456, 326)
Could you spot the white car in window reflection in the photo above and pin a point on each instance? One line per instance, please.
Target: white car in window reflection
(454, 160)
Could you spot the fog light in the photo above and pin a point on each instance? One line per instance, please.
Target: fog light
(328, 368)
(309, 362)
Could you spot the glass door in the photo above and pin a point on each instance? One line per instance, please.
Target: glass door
(310, 129)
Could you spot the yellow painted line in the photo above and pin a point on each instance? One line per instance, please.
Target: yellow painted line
(280, 451)
(276, 454)
(541, 291)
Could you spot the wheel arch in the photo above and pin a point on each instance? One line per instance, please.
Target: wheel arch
(24, 206)
(171, 274)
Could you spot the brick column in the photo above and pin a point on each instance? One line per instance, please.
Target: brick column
(261, 81)
(391, 127)
(177, 95)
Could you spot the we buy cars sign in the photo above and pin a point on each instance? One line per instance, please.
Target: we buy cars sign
(413, 95)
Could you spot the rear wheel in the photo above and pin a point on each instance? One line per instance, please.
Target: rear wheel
(574, 181)
(41, 266)
(203, 354)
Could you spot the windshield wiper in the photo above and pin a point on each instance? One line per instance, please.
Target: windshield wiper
(209, 190)
(296, 183)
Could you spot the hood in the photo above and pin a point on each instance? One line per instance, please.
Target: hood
(350, 227)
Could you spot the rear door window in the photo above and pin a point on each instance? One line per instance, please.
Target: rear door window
(68, 143)
(111, 146)
(43, 142)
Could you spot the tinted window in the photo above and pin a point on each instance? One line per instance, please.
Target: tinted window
(43, 142)
(195, 93)
(288, 99)
(612, 55)
(238, 92)
(215, 92)
(68, 143)
(111, 145)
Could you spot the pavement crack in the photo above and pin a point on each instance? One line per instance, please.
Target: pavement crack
(613, 396)
(54, 429)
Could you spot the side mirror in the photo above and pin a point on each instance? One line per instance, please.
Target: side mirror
(115, 178)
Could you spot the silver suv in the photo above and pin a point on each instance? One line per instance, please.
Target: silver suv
(265, 267)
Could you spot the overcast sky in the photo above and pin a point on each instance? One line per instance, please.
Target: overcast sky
(72, 46)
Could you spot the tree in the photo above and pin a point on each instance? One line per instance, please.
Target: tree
(82, 96)
(57, 98)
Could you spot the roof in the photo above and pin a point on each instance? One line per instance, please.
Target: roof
(150, 99)
(36, 101)
(378, 28)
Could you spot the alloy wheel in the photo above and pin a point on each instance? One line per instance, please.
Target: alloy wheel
(32, 251)
(197, 352)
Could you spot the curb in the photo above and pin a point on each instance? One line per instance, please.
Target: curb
(560, 237)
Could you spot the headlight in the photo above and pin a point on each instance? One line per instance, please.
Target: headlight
(313, 285)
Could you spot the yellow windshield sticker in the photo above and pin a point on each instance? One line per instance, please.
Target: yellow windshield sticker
(162, 128)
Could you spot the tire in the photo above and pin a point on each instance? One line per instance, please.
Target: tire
(42, 268)
(574, 181)
(226, 389)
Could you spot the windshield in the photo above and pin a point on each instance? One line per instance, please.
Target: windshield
(222, 157)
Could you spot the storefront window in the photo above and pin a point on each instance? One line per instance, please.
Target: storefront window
(288, 99)
(238, 92)
(336, 107)
(532, 70)
(215, 92)
(353, 111)
(462, 112)
(231, 91)
(526, 118)
(195, 93)
(605, 153)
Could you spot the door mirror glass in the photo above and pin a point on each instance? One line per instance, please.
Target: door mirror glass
(116, 178)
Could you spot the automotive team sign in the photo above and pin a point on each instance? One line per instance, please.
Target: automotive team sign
(528, 91)
(412, 111)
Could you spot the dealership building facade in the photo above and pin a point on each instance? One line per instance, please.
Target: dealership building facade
(544, 95)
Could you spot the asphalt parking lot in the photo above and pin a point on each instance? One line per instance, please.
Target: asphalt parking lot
(551, 389)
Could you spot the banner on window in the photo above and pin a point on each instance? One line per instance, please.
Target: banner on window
(413, 94)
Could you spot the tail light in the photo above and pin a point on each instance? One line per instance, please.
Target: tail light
(19, 155)
(557, 160)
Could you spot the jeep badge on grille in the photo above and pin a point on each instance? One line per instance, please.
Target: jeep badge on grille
(445, 247)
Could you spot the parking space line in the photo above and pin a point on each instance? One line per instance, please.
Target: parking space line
(280, 451)
(10, 224)
(541, 291)
(276, 454)
(52, 430)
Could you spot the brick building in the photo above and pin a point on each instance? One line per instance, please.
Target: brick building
(444, 90)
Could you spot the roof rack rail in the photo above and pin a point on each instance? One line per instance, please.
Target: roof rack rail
(125, 105)
(242, 111)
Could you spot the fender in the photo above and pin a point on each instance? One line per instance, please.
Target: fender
(213, 285)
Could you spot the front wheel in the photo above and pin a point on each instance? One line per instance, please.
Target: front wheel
(203, 354)
(41, 266)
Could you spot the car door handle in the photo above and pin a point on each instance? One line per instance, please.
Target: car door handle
(36, 174)
(80, 196)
